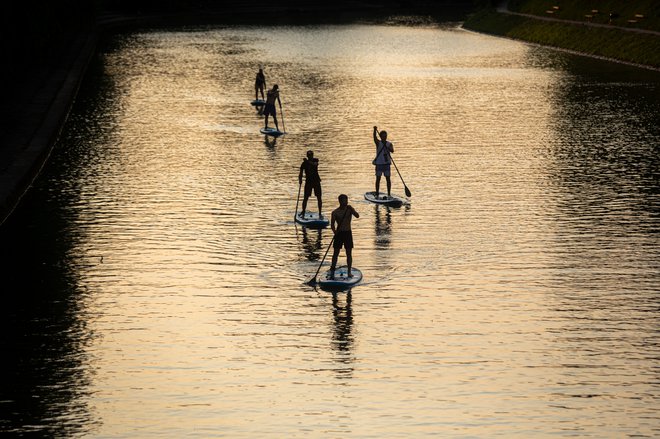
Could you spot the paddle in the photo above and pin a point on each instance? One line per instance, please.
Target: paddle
(312, 282)
(297, 200)
(408, 193)
(282, 113)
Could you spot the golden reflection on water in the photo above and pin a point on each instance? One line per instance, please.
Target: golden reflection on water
(493, 305)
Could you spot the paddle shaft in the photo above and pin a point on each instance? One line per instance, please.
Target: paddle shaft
(282, 113)
(408, 193)
(297, 200)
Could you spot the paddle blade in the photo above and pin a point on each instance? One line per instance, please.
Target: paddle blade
(408, 193)
(311, 282)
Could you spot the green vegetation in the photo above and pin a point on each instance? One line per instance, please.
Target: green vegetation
(613, 43)
(642, 14)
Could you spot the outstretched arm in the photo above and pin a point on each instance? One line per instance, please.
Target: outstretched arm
(300, 174)
(354, 212)
(376, 140)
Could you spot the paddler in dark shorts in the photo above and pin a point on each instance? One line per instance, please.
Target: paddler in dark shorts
(271, 96)
(310, 166)
(382, 160)
(259, 84)
(341, 227)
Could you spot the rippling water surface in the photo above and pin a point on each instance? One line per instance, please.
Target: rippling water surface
(156, 277)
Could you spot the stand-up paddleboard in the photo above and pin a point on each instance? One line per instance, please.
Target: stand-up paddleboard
(341, 280)
(271, 132)
(311, 219)
(258, 102)
(392, 200)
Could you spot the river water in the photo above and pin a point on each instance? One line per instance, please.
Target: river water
(154, 276)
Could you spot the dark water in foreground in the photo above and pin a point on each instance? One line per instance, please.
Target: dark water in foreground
(153, 279)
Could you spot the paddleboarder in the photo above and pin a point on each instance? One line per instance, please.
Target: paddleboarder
(259, 84)
(340, 222)
(382, 160)
(271, 96)
(310, 166)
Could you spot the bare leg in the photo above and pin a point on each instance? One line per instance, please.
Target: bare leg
(266, 121)
(389, 185)
(333, 265)
(320, 202)
(304, 206)
(349, 261)
(377, 185)
(276, 125)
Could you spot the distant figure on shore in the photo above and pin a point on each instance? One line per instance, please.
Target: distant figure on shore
(259, 85)
(382, 160)
(613, 16)
(271, 96)
(341, 226)
(310, 166)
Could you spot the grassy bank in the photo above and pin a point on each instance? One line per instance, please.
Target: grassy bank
(617, 44)
(641, 14)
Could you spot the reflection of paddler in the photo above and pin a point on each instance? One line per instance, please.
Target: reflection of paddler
(383, 225)
(310, 167)
(343, 323)
(311, 246)
(271, 96)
